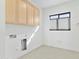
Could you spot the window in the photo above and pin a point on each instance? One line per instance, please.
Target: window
(60, 22)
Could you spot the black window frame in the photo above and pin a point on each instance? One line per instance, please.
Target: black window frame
(57, 21)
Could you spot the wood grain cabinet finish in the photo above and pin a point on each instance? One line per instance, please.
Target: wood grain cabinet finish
(11, 11)
(30, 14)
(33, 14)
(21, 12)
(36, 16)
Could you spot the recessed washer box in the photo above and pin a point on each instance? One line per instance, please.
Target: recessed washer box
(24, 44)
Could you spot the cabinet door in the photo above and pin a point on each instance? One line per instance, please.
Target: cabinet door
(11, 11)
(29, 14)
(36, 16)
(21, 12)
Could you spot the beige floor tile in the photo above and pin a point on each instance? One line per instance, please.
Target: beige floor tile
(45, 52)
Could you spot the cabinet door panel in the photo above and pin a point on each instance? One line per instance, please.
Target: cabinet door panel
(30, 14)
(11, 11)
(21, 12)
(36, 16)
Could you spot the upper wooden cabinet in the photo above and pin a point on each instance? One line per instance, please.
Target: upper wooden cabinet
(21, 12)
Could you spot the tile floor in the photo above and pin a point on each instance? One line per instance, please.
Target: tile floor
(46, 52)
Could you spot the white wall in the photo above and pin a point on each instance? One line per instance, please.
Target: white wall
(2, 36)
(62, 39)
(13, 45)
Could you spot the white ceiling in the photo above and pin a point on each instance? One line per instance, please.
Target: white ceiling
(48, 3)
